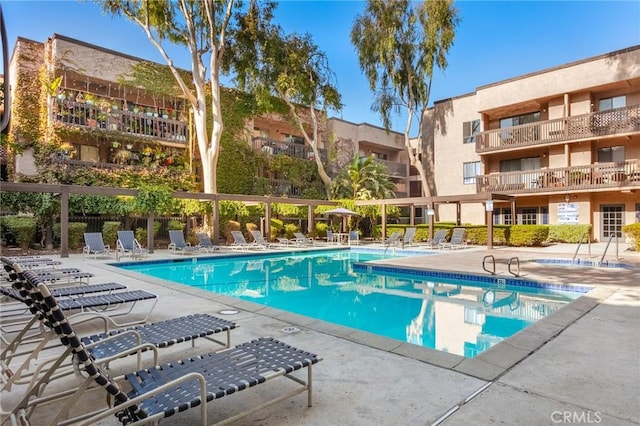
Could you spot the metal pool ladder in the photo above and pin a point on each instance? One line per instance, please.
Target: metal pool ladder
(607, 247)
(493, 262)
(517, 262)
(586, 234)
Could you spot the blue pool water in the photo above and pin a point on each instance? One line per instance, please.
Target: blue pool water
(459, 314)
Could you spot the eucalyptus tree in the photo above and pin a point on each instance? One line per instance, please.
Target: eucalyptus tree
(364, 179)
(207, 28)
(291, 68)
(399, 45)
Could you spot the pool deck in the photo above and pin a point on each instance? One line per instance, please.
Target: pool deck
(579, 365)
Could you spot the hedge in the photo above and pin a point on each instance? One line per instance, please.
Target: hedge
(567, 233)
(634, 231)
(76, 233)
(21, 228)
(110, 233)
(528, 235)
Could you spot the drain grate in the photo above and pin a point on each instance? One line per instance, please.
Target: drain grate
(290, 330)
(228, 312)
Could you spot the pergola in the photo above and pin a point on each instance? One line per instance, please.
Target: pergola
(65, 190)
(432, 202)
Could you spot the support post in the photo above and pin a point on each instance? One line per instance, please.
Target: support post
(64, 221)
(150, 238)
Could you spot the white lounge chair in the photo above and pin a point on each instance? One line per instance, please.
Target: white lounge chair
(438, 237)
(94, 245)
(178, 244)
(302, 240)
(239, 242)
(205, 243)
(128, 245)
(354, 238)
(457, 240)
(259, 239)
(409, 236)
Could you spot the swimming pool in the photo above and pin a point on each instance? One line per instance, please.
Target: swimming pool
(455, 313)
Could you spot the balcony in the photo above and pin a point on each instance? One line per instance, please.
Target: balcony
(294, 150)
(563, 179)
(578, 127)
(394, 169)
(126, 122)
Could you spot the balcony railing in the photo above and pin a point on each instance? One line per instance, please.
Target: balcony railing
(395, 169)
(272, 147)
(597, 124)
(128, 122)
(594, 176)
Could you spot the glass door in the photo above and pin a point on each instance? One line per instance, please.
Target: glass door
(612, 221)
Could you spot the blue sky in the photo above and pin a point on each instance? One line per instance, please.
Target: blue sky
(495, 40)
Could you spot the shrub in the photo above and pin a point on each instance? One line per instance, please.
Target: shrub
(289, 229)
(76, 233)
(110, 233)
(227, 227)
(567, 233)
(174, 225)
(528, 235)
(21, 228)
(478, 234)
(277, 227)
(320, 230)
(634, 231)
(141, 235)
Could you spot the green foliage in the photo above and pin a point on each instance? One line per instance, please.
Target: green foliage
(141, 235)
(21, 229)
(154, 199)
(289, 229)
(320, 230)
(227, 226)
(528, 235)
(75, 235)
(478, 234)
(567, 233)
(110, 232)
(399, 44)
(232, 209)
(364, 179)
(276, 228)
(175, 225)
(634, 231)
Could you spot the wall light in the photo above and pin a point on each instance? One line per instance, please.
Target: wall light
(567, 197)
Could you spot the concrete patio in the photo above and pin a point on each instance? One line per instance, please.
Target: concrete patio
(580, 365)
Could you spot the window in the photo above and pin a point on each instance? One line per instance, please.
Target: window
(612, 103)
(379, 156)
(518, 164)
(611, 154)
(470, 171)
(517, 120)
(528, 215)
(502, 216)
(469, 131)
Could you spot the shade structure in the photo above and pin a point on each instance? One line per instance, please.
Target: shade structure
(341, 211)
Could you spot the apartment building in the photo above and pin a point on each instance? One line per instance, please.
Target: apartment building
(107, 123)
(366, 140)
(564, 141)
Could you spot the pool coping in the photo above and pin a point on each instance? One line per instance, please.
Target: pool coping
(488, 365)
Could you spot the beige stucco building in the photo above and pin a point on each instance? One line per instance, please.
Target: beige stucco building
(564, 141)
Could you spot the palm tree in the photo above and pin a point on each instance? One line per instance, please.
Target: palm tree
(364, 179)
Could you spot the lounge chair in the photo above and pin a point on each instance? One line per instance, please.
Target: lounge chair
(240, 242)
(113, 344)
(128, 245)
(173, 387)
(394, 239)
(354, 238)
(438, 237)
(301, 239)
(178, 244)
(457, 240)
(94, 245)
(259, 239)
(284, 241)
(409, 236)
(205, 243)
(331, 237)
